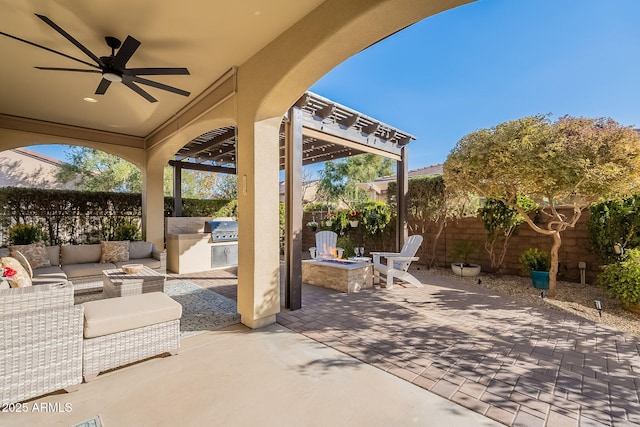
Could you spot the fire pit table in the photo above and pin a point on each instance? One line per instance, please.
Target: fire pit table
(117, 283)
(338, 274)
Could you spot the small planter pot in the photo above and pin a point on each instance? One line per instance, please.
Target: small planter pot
(540, 279)
(328, 223)
(353, 224)
(465, 270)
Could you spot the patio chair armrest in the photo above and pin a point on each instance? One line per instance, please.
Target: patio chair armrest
(404, 258)
(385, 254)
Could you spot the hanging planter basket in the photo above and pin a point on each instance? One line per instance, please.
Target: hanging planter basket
(328, 223)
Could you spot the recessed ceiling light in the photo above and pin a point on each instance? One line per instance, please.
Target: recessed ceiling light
(88, 99)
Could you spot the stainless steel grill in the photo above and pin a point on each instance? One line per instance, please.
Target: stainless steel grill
(222, 230)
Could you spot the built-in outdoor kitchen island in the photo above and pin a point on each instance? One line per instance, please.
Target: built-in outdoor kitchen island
(200, 243)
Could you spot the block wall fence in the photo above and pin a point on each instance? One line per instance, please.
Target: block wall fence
(574, 249)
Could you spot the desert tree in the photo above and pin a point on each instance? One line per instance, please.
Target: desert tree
(570, 162)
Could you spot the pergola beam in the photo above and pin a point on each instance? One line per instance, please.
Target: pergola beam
(333, 136)
(203, 167)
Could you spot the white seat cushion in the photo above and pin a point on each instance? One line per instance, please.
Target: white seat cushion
(113, 315)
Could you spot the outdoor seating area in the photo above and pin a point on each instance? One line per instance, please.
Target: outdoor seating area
(50, 344)
(84, 264)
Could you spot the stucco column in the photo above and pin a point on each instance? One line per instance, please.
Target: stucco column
(153, 203)
(258, 216)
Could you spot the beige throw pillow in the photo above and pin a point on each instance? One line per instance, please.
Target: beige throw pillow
(35, 253)
(114, 251)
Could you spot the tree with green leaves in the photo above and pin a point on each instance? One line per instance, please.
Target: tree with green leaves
(96, 170)
(501, 222)
(338, 179)
(572, 161)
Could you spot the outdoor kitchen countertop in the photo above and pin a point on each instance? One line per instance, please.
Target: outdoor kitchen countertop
(189, 236)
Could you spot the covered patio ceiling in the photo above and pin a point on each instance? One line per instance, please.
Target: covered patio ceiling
(330, 131)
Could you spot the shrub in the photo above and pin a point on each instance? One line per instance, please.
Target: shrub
(534, 259)
(319, 207)
(24, 234)
(127, 232)
(345, 243)
(622, 278)
(614, 221)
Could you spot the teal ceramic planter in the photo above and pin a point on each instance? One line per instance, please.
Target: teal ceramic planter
(540, 279)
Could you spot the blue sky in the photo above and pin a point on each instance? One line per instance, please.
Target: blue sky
(492, 61)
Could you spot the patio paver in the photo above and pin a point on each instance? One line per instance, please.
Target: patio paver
(524, 366)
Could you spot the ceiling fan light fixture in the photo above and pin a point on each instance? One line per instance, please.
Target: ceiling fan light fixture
(112, 77)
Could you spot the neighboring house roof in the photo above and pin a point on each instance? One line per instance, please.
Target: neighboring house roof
(20, 167)
(379, 185)
(309, 190)
(431, 170)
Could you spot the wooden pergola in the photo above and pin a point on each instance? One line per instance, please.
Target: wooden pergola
(315, 130)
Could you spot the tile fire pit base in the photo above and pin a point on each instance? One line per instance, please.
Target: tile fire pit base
(343, 276)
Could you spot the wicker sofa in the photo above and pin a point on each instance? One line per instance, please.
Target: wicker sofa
(41, 341)
(81, 264)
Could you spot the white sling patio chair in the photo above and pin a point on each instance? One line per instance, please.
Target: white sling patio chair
(398, 263)
(326, 244)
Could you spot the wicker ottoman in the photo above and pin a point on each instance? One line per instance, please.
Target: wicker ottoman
(117, 283)
(120, 331)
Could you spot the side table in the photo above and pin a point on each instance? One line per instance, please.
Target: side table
(117, 283)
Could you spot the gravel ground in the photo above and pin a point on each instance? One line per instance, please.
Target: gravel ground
(571, 297)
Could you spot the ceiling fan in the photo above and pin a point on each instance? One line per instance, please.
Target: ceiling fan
(114, 67)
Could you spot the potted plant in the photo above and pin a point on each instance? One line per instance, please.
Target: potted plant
(313, 225)
(25, 234)
(328, 219)
(461, 252)
(354, 218)
(537, 262)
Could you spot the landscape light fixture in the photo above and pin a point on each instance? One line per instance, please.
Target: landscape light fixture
(542, 294)
(598, 305)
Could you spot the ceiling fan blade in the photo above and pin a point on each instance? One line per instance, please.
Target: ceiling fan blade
(137, 89)
(160, 86)
(69, 69)
(50, 50)
(67, 36)
(103, 86)
(158, 71)
(125, 52)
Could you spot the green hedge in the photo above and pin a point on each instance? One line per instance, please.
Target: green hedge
(68, 216)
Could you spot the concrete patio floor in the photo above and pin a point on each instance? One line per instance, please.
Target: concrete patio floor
(379, 357)
(240, 377)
